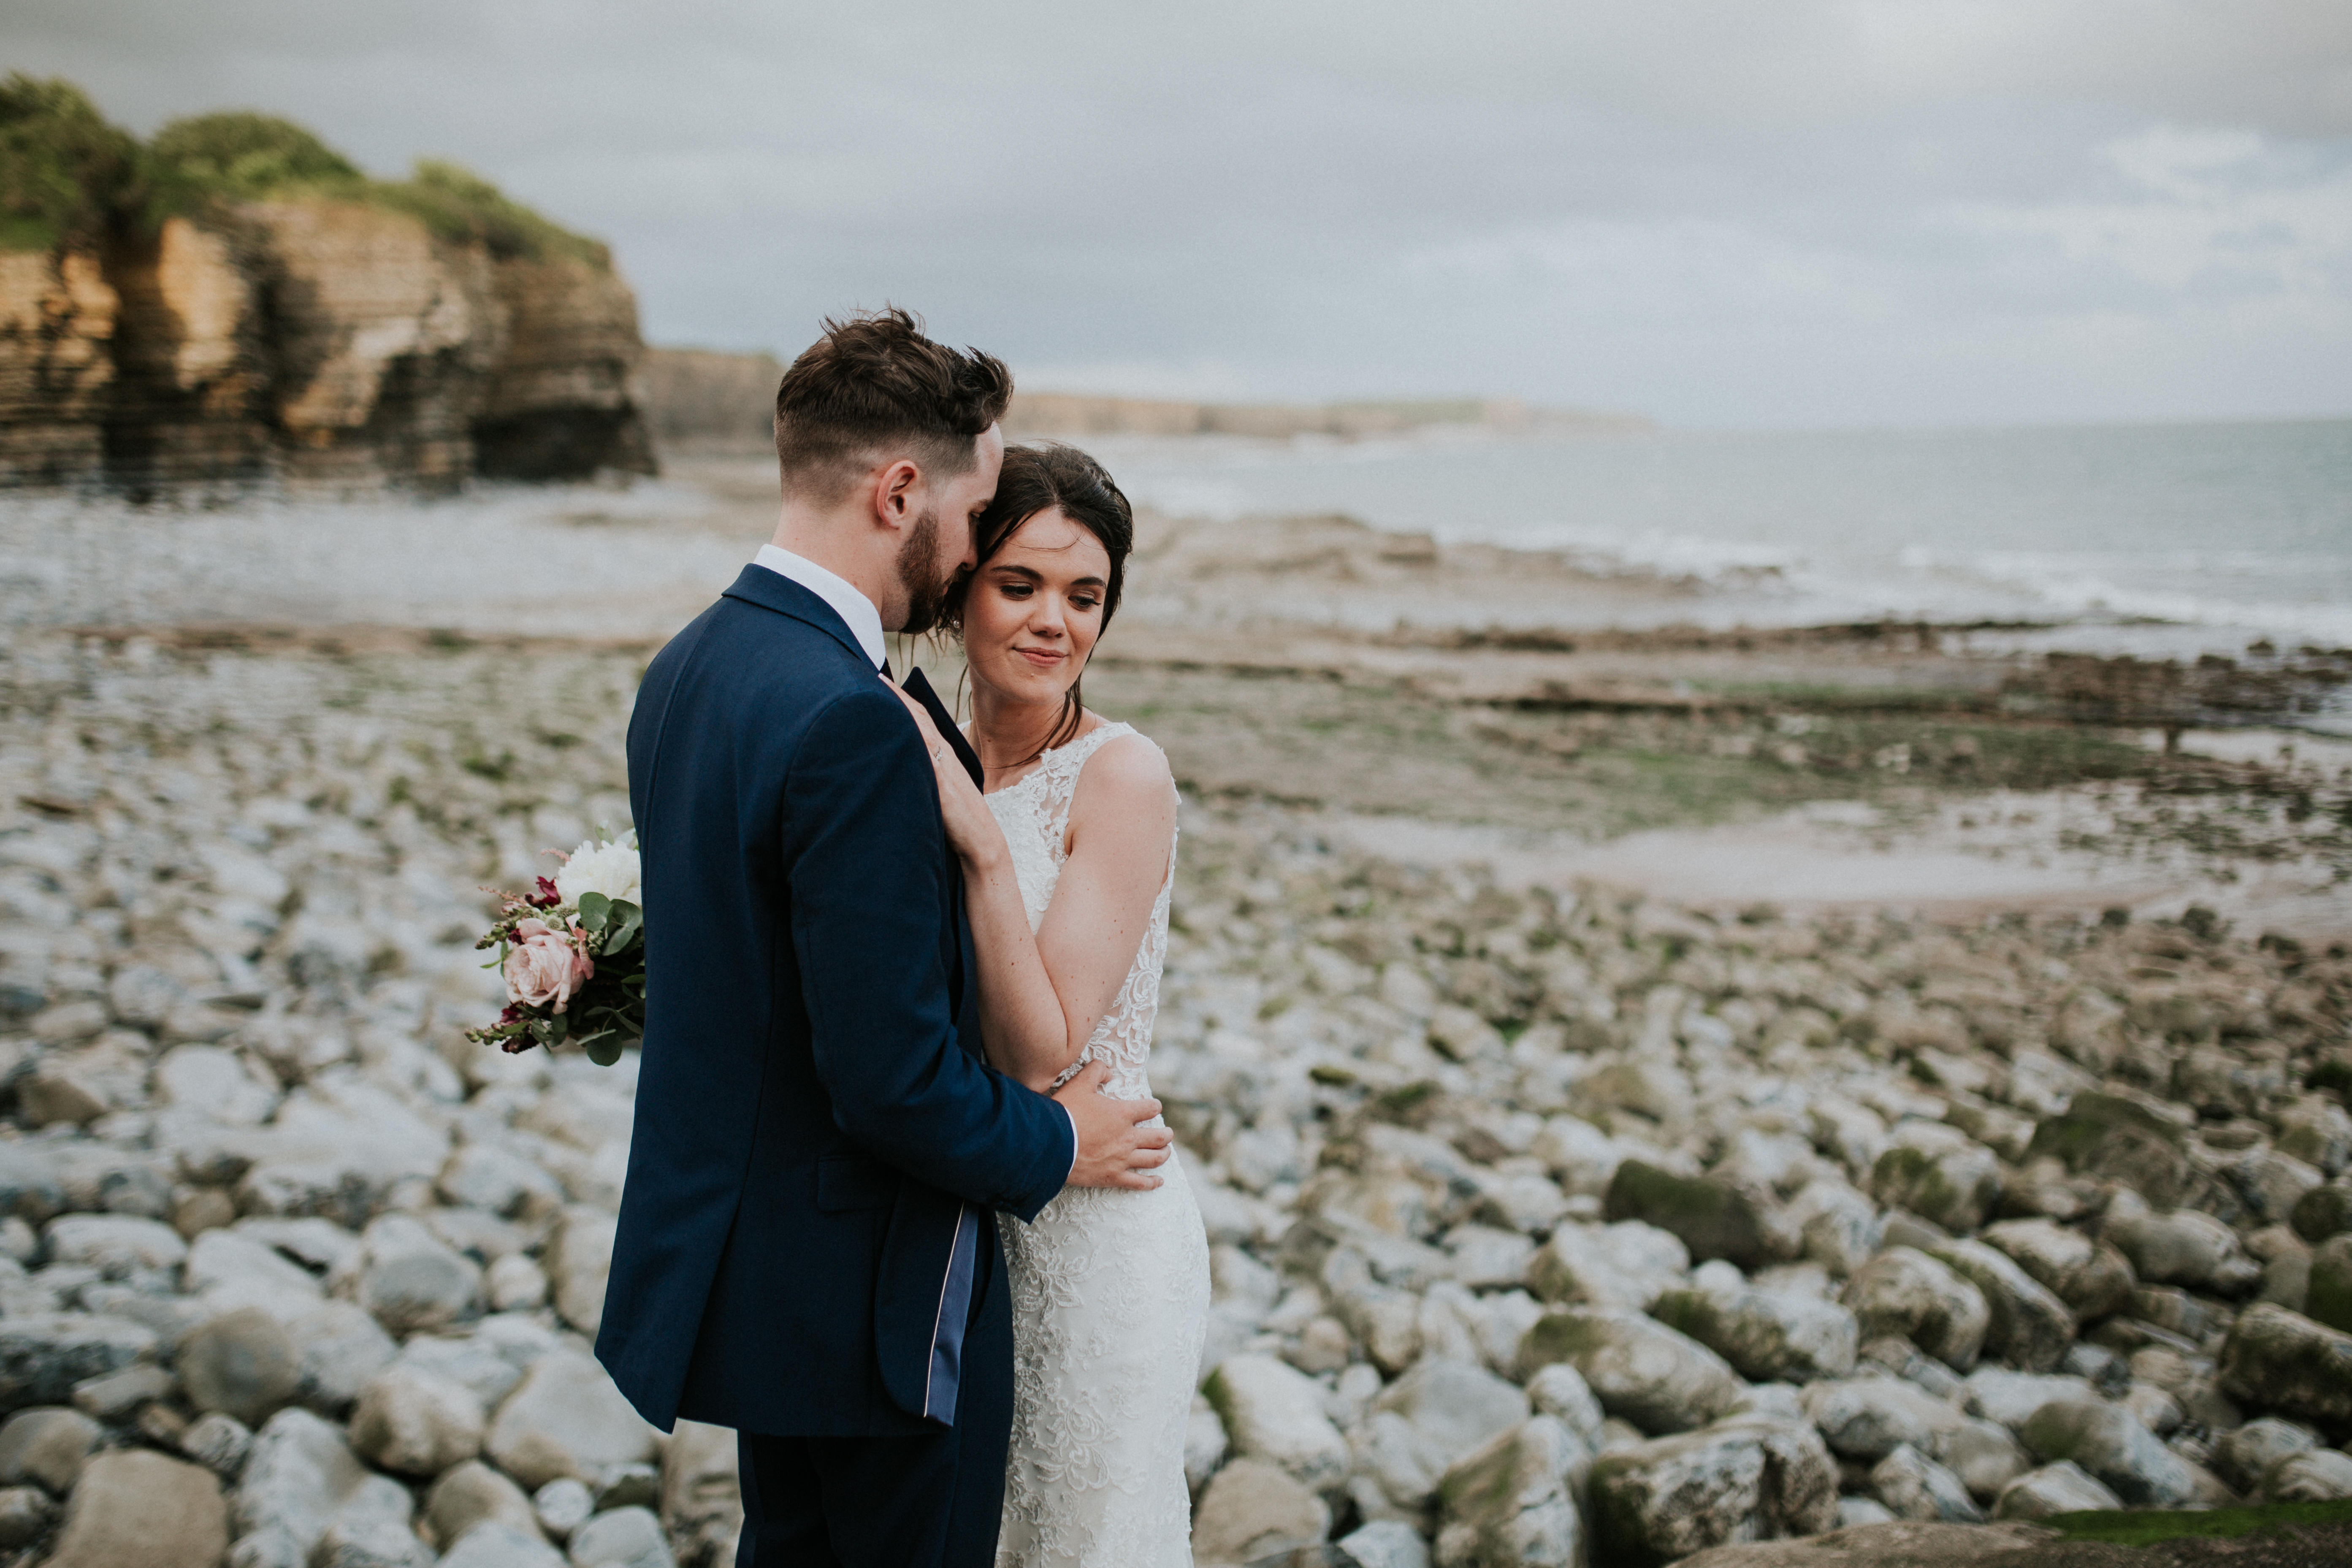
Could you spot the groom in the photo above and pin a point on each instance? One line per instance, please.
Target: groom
(807, 1250)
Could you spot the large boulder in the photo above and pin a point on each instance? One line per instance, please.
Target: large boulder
(577, 1262)
(702, 1495)
(2185, 1248)
(2063, 1488)
(2008, 1397)
(495, 1544)
(116, 1245)
(2279, 1361)
(136, 1509)
(1712, 1218)
(565, 1418)
(1628, 1263)
(2028, 1325)
(498, 1180)
(1904, 1292)
(1660, 1379)
(2241, 1457)
(410, 1279)
(341, 1347)
(242, 1363)
(1510, 1503)
(1769, 1336)
(627, 1537)
(1867, 1418)
(2133, 1140)
(49, 1445)
(1985, 1456)
(2327, 1294)
(414, 1424)
(1432, 1415)
(469, 1493)
(2315, 1475)
(1948, 1179)
(1274, 1412)
(1910, 1484)
(1740, 1479)
(299, 1474)
(2109, 1442)
(1252, 1509)
(43, 1357)
(2092, 1278)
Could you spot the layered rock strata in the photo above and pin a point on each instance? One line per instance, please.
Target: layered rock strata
(320, 342)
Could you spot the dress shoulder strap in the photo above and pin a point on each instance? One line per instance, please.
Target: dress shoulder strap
(1073, 756)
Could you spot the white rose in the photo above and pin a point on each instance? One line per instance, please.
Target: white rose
(607, 868)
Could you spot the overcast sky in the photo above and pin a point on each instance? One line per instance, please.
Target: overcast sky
(1719, 212)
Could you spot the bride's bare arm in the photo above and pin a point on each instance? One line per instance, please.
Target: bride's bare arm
(1041, 996)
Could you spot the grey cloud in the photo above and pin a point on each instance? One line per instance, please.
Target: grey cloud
(1711, 208)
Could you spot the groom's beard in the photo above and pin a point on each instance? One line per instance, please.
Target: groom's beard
(919, 574)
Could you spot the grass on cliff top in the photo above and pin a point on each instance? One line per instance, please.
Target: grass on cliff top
(64, 171)
(69, 178)
(2148, 1527)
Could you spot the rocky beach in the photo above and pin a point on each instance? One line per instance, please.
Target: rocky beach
(1823, 1098)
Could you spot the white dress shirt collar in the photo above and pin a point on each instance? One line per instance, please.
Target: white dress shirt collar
(855, 610)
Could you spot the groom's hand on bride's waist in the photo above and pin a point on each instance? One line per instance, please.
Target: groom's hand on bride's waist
(1115, 1149)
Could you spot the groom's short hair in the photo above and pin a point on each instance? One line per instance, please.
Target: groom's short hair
(874, 387)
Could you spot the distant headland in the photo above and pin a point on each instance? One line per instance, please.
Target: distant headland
(703, 396)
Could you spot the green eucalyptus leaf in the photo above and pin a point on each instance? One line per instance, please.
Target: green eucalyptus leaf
(595, 909)
(604, 1049)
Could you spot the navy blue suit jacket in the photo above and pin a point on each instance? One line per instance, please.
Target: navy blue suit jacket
(814, 1114)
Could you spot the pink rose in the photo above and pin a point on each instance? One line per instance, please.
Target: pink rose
(545, 966)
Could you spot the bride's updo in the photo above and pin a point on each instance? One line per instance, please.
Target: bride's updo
(1047, 477)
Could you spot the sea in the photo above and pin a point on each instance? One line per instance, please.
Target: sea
(2161, 540)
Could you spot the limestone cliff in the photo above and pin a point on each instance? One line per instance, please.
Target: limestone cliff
(323, 343)
(56, 325)
(316, 342)
(562, 397)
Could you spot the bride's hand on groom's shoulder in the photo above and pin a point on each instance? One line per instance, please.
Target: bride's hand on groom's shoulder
(971, 827)
(1115, 1149)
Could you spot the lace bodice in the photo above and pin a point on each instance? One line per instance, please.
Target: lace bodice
(1034, 814)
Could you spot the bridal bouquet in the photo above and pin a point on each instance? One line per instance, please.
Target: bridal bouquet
(572, 952)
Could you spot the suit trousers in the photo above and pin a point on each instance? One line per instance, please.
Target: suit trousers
(933, 1499)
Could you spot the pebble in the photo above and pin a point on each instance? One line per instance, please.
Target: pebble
(2109, 1442)
(136, 1508)
(1523, 1199)
(1252, 1509)
(1637, 1367)
(565, 1418)
(1739, 1480)
(2062, 1488)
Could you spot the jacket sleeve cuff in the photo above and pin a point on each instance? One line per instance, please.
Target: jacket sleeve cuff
(1025, 1208)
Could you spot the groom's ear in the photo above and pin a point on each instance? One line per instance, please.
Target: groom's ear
(897, 493)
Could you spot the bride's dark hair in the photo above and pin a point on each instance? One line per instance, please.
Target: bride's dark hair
(1047, 477)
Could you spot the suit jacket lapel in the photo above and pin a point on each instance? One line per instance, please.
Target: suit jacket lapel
(918, 686)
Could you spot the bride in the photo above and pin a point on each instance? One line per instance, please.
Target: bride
(1068, 858)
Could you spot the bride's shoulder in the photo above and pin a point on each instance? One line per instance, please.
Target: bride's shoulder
(1125, 769)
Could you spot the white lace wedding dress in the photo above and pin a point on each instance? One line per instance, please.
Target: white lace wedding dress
(1111, 1287)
